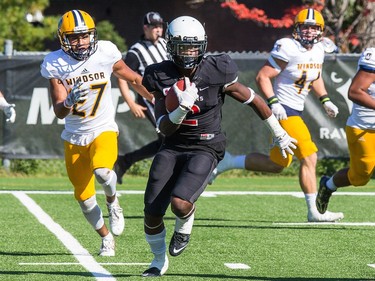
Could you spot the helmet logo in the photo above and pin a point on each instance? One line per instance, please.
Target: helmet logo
(81, 29)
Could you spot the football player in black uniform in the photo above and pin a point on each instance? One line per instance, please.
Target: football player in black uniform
(194, 142)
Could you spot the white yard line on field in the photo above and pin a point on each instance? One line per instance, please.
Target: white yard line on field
(77, 263)
(237, 265)
(80, 253)
(298, 194)
(328, 223)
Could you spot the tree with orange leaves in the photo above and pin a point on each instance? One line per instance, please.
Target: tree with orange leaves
(348, 23)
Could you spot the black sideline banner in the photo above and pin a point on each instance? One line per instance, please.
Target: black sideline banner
(36, 132)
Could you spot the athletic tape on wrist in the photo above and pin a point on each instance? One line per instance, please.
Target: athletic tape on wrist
(274, 126)
(178, 115)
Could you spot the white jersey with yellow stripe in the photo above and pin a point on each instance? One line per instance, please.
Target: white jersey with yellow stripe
(96, 114)
(363, 117)
(293, 83)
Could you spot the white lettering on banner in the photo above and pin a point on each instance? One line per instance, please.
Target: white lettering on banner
(40, 103)
(329, 134)
(336, 79)
(343, 90)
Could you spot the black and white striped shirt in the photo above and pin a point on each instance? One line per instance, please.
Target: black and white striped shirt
(144, 53)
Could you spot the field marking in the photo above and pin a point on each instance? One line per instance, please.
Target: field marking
(327, 223)
(298, 194)
(371, 265)
(237, 265)
(77, 263)
(80, 253)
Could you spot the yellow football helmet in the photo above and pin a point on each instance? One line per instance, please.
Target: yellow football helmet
(77, 22)
(308, 17)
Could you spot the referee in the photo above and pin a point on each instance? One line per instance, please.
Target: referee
(149, 49)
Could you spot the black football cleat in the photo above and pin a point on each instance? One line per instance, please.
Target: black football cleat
(151, 272)
(324, 193)
(178, 243)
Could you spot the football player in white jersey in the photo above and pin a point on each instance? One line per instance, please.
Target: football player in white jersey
(79, 75)
(294, 67)
(360, 133)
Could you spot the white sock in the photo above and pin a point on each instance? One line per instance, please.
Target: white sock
(331, 185)
(239, 162)
(231, 162)
(157, 244)
(310, 201)
(109, 236)
(114, 203)
(185, 225)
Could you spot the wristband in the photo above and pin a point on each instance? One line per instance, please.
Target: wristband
(324, 99)
(178, 115)
(272, 100)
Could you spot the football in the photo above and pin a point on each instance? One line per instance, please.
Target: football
(171, 100)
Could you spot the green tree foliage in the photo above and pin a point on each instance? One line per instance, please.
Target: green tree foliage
(106, 32)
(14, 26)
(32, 36)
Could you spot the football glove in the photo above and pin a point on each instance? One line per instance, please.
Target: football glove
(331, 109)
(187, 97)
(280, 136)
(329, 46)
(279, 111)
(77, 94)
(286, 143)
(9, 111)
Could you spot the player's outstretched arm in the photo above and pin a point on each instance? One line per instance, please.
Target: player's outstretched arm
(135, 108)
(249, 97)
(122, 71)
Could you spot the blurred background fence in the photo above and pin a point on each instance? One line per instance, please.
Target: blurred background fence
(36, 132)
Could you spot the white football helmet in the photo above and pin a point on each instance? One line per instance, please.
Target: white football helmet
(185, 33)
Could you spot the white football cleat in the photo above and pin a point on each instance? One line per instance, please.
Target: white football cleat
(116, 218)
(108, 247)
(326, 217)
